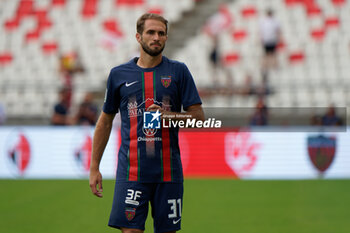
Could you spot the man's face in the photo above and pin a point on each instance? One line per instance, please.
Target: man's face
(153, 37)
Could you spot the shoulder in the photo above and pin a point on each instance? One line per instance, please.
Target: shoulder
(173, 62)
(127, 66)
(180, 66)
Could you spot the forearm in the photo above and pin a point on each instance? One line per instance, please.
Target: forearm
(197, 114)
(101, 136)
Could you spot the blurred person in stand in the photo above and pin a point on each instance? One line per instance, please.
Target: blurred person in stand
(249, 88)
(331, 118)
(87, 112)
(70, 64)
(60, 115)
(2, 114)
(260, 116)
(216, 24)
(270, 34)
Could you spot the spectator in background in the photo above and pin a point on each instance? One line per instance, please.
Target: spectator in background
(316, 120)
(331, 118)
(2, 114)
(248, 87)
(214, 56)
(70, 64)
(87, 112)
(260, 116)
(61, 109)
(220, 21)
(270, 33)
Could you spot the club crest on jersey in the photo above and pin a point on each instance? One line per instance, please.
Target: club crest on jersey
(166, 80)
(130, 213)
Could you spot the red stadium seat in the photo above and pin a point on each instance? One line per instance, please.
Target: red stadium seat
(338, 2)
(313, 11)
(249, 11)
(42, 18)
(231, 58)
(296, 57)
(58, 3)
(239, 35)
(111, 25)
(332, 22)
(49, 47)
(156, 10)
(89, 8)
(5, 58)
(318, 34)
(25, 8)
(131, 3)
(11, 24)
(290, 2)
(33, 35)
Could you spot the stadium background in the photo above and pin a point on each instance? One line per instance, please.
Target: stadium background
(240, 182)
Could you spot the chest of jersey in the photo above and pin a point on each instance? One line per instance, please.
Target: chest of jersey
(146, 88)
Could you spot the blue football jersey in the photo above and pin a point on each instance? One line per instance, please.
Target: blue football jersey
(149, 154)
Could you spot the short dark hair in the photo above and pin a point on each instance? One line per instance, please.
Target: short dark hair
(269, 12)
(140, 25)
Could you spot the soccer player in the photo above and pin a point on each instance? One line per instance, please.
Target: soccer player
(149, 164)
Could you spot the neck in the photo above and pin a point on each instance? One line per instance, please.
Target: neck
(147, 61)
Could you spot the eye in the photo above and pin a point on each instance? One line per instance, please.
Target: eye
(161, 33)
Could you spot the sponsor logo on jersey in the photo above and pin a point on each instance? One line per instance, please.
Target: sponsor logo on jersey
(130, 84)
(321, 150)
(19, 152)
(135, 109)
(106, 93)
(130, 213)
(166, 80)
(176, 221)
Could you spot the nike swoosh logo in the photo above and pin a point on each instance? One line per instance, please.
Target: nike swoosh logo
(129, 84)
(176, 221)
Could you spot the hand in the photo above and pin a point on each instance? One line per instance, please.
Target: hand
(96, 180)
(154, 108)
(164, 113)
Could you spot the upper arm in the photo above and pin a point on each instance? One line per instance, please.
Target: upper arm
(189, 92)
(111, 102)
(106, 119)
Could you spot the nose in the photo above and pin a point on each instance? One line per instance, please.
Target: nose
(156, 36)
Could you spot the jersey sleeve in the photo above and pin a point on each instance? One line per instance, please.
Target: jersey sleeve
(111, 101)
(189, 93)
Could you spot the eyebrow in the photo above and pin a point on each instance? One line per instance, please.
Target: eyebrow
(155, 31)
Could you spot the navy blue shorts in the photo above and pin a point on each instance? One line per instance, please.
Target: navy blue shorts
(131, 201)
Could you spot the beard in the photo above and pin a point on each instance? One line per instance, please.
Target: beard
(152, 52)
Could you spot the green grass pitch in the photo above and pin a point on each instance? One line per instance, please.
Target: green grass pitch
(214, 206)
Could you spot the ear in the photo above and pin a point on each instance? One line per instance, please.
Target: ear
(138, 37)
